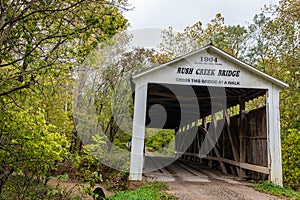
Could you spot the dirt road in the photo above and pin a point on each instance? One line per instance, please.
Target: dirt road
(193, 182)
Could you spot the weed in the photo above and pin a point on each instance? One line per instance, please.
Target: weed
(271, 188)
(149, 191)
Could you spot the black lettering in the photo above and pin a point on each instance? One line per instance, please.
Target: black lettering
(179, 70)
(229, 73)
(206, 72)
(185, 70)
(201, 72)
(223, 73)
(220, 72)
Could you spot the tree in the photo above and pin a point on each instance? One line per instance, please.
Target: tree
(277, 45)
(229, 38)
(106, 78)
(232, 39)
(42, 35)
(104, 103)
(41, 42)
(28, 144)
(275, 50)
(271, 44)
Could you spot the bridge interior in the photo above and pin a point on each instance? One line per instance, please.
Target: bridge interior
(201, 119)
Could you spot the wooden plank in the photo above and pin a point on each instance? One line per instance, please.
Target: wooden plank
(232, 141)
(216, 149)
(186, 153)
(258, 138)
(256, 168)
(243, 141)
(204, 126)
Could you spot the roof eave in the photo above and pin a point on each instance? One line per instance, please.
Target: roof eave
(169, 62)
(222, 53)
(250, 68)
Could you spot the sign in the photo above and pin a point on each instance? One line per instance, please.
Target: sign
(208, 70)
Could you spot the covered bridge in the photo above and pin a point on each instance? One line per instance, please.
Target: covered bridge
(195, 93)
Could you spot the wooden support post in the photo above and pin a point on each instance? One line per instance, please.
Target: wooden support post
(204, 125)
(138, 134)
(274, 143)
(232, 140)
(176, 141)
(243, 141)
(216, 149)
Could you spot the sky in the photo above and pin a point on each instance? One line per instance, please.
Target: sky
(150, 17)
(182, 13)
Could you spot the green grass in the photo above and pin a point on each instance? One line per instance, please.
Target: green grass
(270, 188)
(149, 191)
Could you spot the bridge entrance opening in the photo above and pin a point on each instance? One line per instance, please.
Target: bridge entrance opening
(224, 113)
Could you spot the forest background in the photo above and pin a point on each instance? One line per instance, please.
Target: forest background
(42, 45)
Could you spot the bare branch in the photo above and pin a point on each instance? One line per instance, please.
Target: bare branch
(26, 85)
(34, 48)
(20, 17)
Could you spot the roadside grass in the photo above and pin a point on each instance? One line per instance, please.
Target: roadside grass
(149, 191)
(273, 189)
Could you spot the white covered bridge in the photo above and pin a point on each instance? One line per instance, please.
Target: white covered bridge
(192, 95)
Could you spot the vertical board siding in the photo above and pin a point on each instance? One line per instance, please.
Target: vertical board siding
(255, 135)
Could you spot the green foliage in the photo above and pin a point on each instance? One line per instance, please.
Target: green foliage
(157, 140)
(31, 189)
(150, 191)
(35, 126)
(271, 188)
(276, 51)
(115, 157)
(193, 37)
(44, 35)
(111, 91)
(35, 189)
(40, 43)
(271, 44)
(29, 144)
(291, 159)
(231, 39)
(117, 181)
(89, 169)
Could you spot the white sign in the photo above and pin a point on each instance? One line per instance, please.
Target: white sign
(208, 70)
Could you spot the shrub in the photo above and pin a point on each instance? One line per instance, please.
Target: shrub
(291, 159)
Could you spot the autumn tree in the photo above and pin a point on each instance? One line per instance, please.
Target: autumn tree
(229, 38)
(41, 42)
(271, 44)
(106, 77)
(43, 35)
(275, 49)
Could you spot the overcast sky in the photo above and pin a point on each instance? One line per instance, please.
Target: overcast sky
(181, 13)
(152, 15)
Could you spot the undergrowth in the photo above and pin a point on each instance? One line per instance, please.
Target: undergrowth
(149, 191)
(273, 189)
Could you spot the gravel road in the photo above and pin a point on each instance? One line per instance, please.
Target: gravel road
(193, 182)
